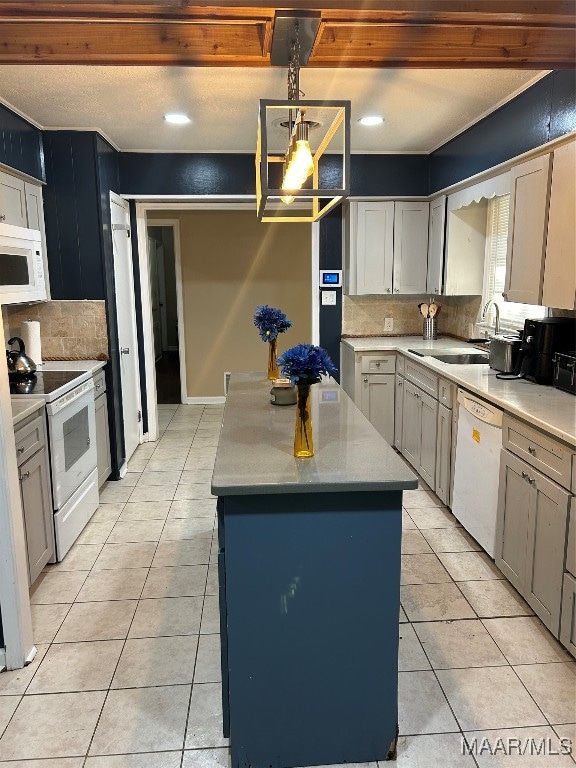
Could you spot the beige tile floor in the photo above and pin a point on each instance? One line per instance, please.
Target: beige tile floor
(128, 676)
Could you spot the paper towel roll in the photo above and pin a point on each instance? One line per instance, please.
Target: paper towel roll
(30, 333)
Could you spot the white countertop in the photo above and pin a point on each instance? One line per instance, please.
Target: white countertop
(22, 407)
(255, 450)
(542, 406)
(73, 365)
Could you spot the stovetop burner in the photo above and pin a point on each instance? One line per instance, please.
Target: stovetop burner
(43, 383)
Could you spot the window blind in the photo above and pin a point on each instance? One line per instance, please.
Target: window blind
(512, 315)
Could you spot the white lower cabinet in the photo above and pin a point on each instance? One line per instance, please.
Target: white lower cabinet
(419, 417)
(35, 493)
(377, 402)
(102, 431)
(568, 625)
(531, 536)
(444, 454)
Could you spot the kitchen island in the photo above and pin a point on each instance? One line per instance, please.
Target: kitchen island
(309, 570)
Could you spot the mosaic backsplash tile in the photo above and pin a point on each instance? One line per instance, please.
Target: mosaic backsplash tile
(365, 315)
(68, 329)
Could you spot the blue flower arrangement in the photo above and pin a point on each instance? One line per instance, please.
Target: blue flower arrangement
(270, 322)
(306, 364)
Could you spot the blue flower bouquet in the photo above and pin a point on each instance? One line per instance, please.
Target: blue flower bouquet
(270, 322)
(305, 365)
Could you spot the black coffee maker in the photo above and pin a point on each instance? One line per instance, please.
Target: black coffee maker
(541, 339)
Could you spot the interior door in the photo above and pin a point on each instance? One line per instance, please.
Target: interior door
(125, 309)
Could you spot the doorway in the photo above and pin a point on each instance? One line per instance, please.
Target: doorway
(164, 308)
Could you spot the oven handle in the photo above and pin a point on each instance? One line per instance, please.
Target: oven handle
(71, 397)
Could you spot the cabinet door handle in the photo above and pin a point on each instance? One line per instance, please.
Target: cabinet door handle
(20, 450)
(2, 217)
(24, 475)
(365, 379)
(388, 290)
(378, 364)
(531, 450)
(526, 476)
(97, 387)
(396, 290)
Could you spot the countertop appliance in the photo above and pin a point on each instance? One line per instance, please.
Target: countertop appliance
(541, 340)
(504, 351)
(21, 265)
(20, 366)
(477, 468)
(565, 371)
(69, 398)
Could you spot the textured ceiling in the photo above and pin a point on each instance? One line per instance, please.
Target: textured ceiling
(422, 108)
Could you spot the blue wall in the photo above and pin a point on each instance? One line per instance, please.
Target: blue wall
(544, 112)
(20, 144)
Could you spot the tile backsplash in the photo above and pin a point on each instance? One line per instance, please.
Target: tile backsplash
(365, 315)
(68, 329)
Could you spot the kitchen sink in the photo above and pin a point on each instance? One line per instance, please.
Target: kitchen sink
(468, 358)
(453, 357)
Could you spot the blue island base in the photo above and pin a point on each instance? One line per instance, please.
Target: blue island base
(309, 603)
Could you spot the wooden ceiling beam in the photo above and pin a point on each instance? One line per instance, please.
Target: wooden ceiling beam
(532, 34)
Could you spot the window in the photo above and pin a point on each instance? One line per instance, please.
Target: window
(512, 315)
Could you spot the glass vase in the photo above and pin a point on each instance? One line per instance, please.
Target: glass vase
(272, 356)
(303, 443)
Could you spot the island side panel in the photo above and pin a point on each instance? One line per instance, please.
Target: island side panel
(312, 586)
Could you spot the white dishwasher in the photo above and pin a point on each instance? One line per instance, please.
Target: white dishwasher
(477, 468)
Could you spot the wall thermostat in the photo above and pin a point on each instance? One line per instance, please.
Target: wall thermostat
(330, 278)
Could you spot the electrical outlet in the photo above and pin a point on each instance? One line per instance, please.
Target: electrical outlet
(388, 324)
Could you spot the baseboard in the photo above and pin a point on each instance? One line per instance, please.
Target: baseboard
(123, 469)
(205, 400)
(2, 659)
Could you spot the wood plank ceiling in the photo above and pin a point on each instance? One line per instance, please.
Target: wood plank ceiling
(519, 34)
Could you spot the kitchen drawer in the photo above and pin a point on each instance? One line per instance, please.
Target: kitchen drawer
(422, 377)
(446, 393)
(99, 383)
(568, 618)
(551, 457)
(400, 364)
(378, 363)
(571, 548)
(29, 438)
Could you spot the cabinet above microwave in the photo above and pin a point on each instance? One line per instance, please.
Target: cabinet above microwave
(21, 265)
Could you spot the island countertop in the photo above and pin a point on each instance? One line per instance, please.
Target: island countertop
(255, 451)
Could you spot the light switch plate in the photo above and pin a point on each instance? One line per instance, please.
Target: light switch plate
(329, 298)
(388, 324)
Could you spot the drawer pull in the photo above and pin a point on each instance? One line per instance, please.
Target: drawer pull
(378, 364)
(531, 450)
(24, 475)
(21, 449)
(2, 217)
(97, 387)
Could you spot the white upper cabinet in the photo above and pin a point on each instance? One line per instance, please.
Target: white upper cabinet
(12, 200)
(436, 230)
(529, 191)
(372, 243)
(410, 247)
(386, 247)
(560, 263)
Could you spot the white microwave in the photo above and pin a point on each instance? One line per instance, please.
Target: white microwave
(21, 265)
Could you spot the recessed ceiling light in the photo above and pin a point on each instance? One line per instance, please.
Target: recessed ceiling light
(177, 118)
(371, 120)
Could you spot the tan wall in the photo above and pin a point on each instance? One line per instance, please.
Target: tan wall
(231, 263)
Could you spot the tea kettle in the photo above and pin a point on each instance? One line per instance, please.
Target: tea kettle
(20, 366)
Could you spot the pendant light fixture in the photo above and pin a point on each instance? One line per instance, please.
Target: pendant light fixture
(291, 183)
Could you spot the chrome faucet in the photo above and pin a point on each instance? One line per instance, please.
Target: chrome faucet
(497, 310)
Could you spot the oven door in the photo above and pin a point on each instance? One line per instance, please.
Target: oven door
(72, 428)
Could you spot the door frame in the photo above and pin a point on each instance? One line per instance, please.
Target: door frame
(131, 299)
(194, 203)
